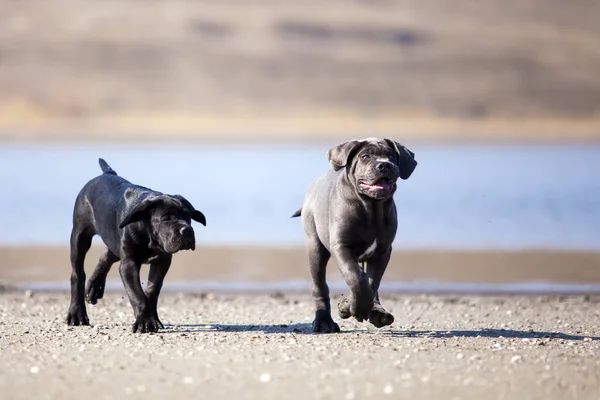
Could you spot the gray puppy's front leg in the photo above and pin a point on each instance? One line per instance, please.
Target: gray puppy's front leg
(361, 294)
(376, 267)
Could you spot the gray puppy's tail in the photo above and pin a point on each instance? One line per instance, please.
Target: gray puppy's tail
(105, 167)
(297, 213)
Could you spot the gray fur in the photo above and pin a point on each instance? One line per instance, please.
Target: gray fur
(349, 215)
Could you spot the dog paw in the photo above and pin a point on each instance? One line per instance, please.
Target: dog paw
(344, 308)
(95, 290)
(146, 325)
(323, 323)
(77, 316)
(160, 324)
(379, 317)
(357, 306)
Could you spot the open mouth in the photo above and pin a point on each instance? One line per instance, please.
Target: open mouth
(380, 184)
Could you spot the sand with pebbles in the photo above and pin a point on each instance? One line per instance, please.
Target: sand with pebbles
(260, 346)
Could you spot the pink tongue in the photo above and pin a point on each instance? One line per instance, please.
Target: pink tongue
(376, 186)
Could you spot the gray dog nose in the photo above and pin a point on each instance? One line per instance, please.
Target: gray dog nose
(186, 230)
(382, 166)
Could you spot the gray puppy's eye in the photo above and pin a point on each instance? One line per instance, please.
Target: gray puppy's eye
(365, 157)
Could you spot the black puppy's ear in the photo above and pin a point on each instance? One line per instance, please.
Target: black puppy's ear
(340, 155)
(196, 215)
(139, 212)
(407, 163)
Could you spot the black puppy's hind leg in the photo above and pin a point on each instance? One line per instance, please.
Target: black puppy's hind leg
(81, 241)
(97, 283)
(318, 256)
(156, 276)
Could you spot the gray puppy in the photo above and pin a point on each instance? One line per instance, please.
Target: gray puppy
(349, 214)
(138, 226)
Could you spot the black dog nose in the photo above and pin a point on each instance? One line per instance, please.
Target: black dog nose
(382, 166)
(185, 231)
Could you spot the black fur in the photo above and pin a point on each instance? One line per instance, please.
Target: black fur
(138, 226)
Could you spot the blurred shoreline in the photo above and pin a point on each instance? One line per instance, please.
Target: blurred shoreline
(296, 128)
(50, 264)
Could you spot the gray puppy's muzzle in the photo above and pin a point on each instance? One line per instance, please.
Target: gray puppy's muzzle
(385, 167)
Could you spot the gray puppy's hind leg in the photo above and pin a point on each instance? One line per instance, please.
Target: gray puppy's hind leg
(318, 256)
(97, 283)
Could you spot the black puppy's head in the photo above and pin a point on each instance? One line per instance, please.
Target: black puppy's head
(167, 219)
(373, 165)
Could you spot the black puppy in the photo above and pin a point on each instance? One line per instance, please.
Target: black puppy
(349, 215)
(138, 226)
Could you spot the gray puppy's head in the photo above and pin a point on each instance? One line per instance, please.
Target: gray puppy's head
(167, 219)
(373, 165)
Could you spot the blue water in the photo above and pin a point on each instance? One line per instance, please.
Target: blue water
(460, 197)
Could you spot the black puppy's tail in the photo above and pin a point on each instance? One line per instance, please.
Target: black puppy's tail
(105, 167)
(297, 213)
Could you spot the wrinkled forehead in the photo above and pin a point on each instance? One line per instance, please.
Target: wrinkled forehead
(167, 204)
(376, 147)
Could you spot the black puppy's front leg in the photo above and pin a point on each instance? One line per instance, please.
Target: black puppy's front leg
(158, 270)
(376, 267)
(361, 295)
(145, 321)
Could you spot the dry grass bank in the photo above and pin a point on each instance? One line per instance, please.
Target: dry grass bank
(286, 70)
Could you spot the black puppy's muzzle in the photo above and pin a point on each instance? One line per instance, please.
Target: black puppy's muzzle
(187, 238)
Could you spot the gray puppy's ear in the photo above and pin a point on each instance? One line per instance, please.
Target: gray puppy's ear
(196, 215)
(340, 155)
(137, 213)
(407, 163)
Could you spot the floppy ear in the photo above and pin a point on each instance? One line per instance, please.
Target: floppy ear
(196, 215)
(339, 155)
(139, 212)
(407, 162)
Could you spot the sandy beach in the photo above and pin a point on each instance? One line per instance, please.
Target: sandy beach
(235, 344)
(259, 346)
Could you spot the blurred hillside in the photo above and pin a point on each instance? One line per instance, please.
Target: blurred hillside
(201, 67)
